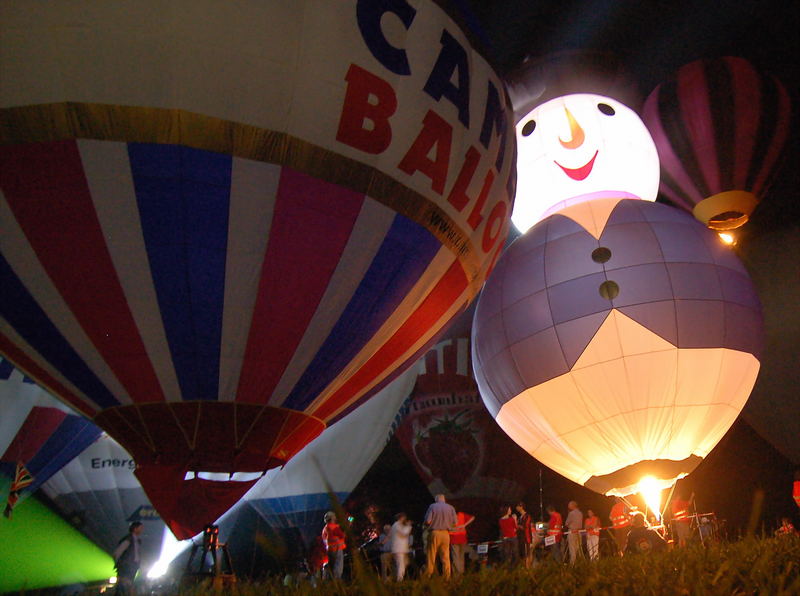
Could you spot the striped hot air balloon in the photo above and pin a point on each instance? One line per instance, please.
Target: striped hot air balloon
(223, 228)
(719, 126)
(38, 436)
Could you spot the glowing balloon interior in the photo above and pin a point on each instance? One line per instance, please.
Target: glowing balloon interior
(617, 339)
(235, 228)
(577, 148)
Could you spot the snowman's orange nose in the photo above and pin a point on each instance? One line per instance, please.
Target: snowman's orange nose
(576, 133)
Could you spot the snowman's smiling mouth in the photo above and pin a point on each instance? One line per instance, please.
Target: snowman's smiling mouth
(579, 173)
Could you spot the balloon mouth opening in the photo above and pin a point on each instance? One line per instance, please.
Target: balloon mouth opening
(730, 220)
(726, 210)
(657, 474)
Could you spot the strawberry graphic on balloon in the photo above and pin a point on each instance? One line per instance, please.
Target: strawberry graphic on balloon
(449, 450)
(455, 445)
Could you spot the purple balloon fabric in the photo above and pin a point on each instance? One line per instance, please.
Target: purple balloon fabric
(543, 303)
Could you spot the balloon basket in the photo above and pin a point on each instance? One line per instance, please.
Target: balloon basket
(209, 562)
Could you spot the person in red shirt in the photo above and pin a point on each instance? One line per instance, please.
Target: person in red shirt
(786, 528)
(525, 534)
(555, 533)
(796, 488)
(317, 557)
(333, 537)
(508, 534)
(621, 522)
(458, 541)
(592, 526)
(680, 518)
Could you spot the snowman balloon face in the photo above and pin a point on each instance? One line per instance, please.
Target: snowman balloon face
(578, 148)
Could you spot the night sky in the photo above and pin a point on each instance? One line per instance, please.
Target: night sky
(652, 39)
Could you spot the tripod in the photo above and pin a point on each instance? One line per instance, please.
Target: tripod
(220, 570)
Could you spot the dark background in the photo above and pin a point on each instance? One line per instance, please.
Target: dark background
(652, 39)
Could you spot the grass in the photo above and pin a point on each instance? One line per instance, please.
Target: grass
(749, 566)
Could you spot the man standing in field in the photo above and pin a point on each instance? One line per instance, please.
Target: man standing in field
(440, 518)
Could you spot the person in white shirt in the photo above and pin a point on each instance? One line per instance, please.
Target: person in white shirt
(400, 540)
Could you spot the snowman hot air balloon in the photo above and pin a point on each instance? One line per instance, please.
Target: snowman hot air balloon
(617, 340)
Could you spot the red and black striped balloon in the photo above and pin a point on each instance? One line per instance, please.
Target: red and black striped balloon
(720, 127)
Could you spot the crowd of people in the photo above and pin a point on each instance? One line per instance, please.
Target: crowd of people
(520, 540)
(445, 544)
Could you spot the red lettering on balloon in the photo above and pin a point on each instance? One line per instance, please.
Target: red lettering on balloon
(475, 218)
(368, 99)
(435, 137)
(458, 197)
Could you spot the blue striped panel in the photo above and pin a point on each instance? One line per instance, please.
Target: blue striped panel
(6, 368)
(401, 260)
(304, 512)
(297, 504)
(28, 319)
(183, 196)
(72, 436)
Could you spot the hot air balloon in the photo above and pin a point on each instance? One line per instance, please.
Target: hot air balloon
(455, 445)
(100, 495)
(618, 339)
(223, 229)
(38, 436)
(720, 127)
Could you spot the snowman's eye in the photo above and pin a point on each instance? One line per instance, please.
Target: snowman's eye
(529, 127)
(606, 109)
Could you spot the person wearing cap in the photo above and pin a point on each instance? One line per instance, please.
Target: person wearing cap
(333, 537)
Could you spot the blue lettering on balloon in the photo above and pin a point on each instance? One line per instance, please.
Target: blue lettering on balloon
(369, 14)
(440, 84)
(494, 117)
